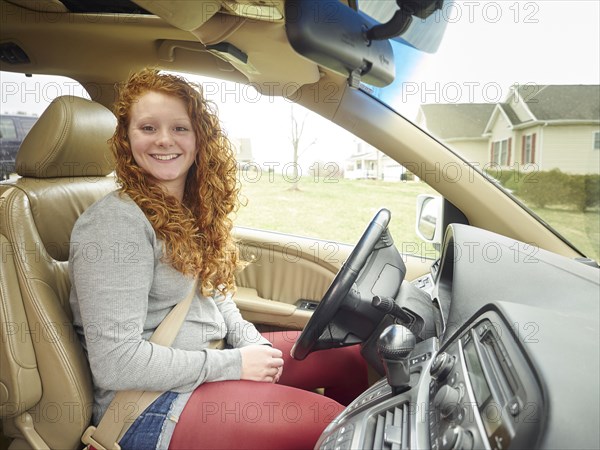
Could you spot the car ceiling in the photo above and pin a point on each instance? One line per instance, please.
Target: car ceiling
(71, 38)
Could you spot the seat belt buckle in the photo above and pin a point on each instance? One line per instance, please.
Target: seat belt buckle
(93, 444)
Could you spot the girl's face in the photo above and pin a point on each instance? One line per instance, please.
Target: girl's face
(162, 140)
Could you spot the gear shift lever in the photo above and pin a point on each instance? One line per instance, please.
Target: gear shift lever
(395, 344)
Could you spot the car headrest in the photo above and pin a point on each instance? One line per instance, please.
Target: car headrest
(70, 139)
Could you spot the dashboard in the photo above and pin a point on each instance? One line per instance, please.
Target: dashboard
(514, 363)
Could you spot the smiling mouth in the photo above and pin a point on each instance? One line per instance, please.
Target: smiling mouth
(166, 157)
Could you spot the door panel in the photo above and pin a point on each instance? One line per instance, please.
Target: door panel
(285, 270)
(259, 310)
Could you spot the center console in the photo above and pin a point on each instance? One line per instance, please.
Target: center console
(477, 390)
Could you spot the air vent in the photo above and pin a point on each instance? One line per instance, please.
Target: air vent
(103, 6)
(11, 53)
(388, 430)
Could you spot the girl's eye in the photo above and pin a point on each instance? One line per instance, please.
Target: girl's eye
(181, 129)
(148, 128)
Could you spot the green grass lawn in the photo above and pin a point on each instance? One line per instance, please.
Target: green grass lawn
(339, 210)
(336, 210)
(581, 229)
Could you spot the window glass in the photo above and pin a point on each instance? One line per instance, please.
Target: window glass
(528, 149)
(7, 128)
(23, 100)
(301, 174)
(501, 153)
(30, 96)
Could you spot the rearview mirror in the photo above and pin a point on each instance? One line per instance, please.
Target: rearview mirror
(333, 36)
(429, 218)
(425, 30)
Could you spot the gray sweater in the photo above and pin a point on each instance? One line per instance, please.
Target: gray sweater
(121, 291)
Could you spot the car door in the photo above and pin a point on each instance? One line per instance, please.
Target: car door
(287, 275)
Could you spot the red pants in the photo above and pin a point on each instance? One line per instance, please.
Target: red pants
(252, 415)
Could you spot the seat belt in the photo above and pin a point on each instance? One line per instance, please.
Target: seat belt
(126, 406)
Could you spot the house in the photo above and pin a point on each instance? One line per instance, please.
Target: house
(369, 163)
(363, 164)
(243, 151)
(461, 126)
(538, 126)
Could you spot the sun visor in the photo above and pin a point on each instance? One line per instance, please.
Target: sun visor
(185, 15)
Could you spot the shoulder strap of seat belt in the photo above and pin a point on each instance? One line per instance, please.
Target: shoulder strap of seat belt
(126, 406)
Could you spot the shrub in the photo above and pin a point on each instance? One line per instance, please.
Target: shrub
(552, 188)
(592, 190)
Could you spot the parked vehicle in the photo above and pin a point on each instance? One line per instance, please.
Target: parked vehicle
(13, 129)
(499, 292)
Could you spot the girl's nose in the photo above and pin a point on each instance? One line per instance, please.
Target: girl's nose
(164, 139)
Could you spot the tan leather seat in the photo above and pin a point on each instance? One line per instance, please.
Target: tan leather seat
(45, 382)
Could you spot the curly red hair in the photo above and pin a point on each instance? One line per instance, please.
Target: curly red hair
(197, 231)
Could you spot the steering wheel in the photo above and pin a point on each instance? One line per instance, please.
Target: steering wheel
(338, 291)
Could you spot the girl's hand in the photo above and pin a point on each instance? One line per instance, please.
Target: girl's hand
(261, 363)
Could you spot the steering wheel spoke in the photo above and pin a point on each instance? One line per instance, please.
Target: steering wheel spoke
(373, 265)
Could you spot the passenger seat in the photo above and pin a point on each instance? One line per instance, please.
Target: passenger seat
(45, 381)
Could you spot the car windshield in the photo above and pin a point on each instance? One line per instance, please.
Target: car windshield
(514, 90)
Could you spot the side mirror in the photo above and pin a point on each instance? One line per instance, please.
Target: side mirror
(429, 218)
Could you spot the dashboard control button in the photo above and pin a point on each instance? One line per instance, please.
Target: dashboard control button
(437, 363)
(447, 400)
(462, 412)
(456, 437)
(432, 389)
(442, 365)
(453, 379)
(449, 438)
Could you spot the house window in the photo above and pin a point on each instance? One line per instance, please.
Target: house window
(528, 155)
(7, 128)
(597, 140)
(501, 152)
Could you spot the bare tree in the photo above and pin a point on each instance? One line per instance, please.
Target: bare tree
(297, 129)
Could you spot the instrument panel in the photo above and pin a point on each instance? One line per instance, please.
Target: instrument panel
(477, 391)
(483, 392)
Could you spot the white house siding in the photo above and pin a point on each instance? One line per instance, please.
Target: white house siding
(393, 172)
(570, 148)
(501, 129)
(476, 152)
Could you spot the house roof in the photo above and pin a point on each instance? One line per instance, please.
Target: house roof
(510, 113)
(462, 120)
(546, 102)
(369, 155)
(562, 102)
